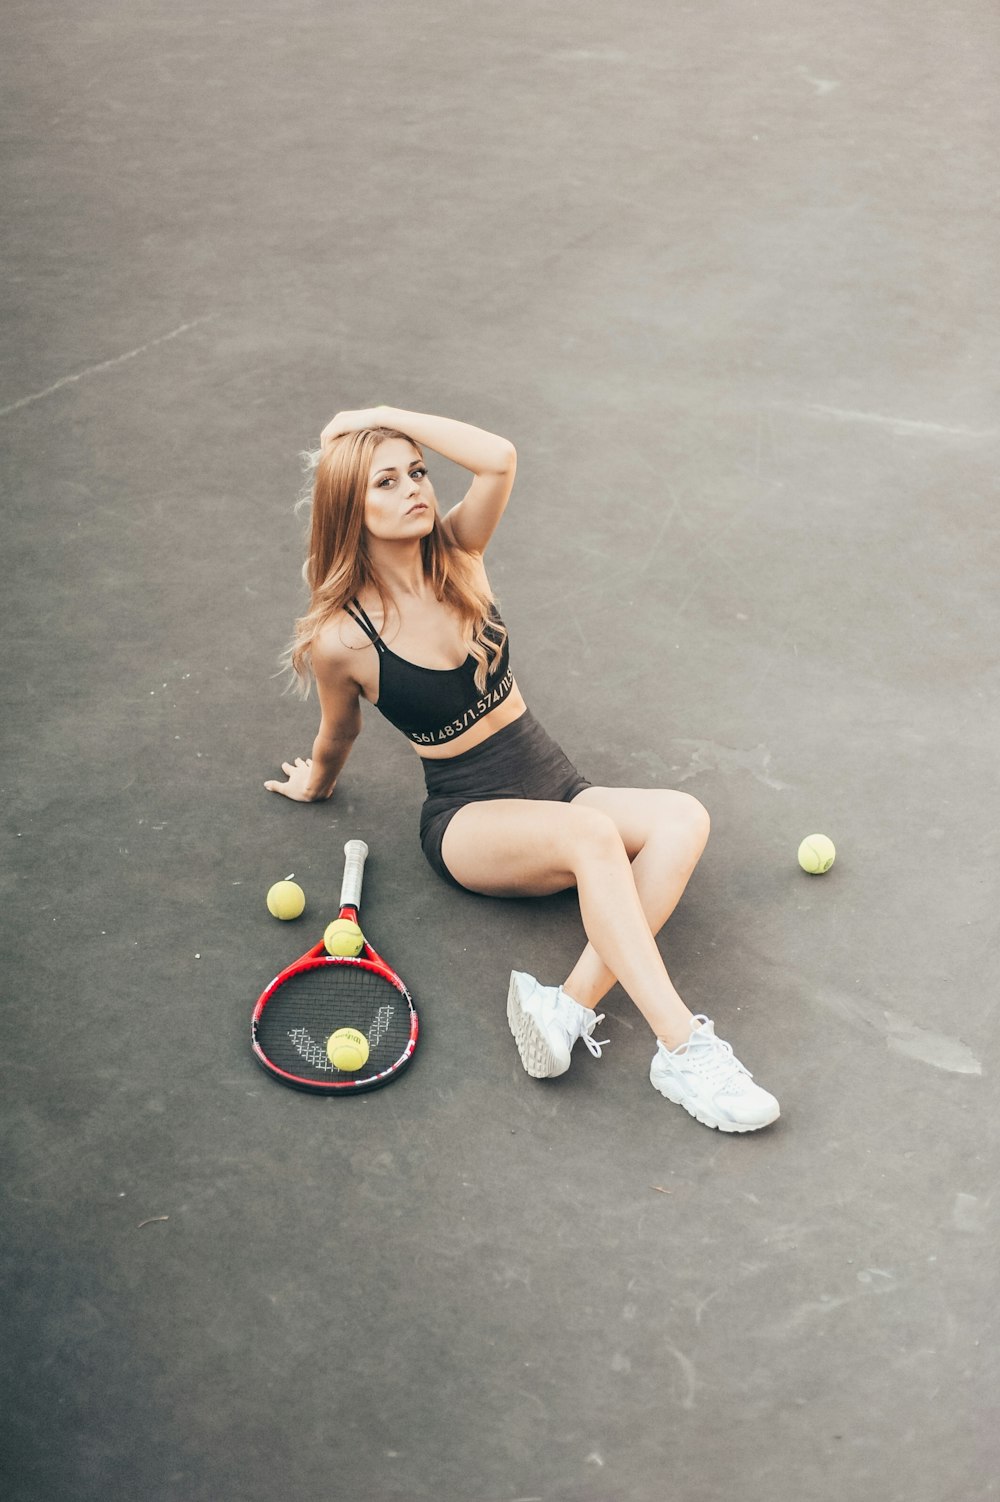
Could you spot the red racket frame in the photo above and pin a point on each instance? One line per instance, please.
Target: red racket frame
(316, 957)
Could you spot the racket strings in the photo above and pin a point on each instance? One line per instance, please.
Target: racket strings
(300, 1015)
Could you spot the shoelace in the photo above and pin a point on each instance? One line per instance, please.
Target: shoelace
(594, 1045)
(579, 1026)
(714, 1059)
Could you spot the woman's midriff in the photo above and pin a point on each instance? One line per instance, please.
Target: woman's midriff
(512, 708)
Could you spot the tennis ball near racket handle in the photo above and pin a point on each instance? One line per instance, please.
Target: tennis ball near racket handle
(343, 938)
(817, 854)
(286, 899)
(347, 1049)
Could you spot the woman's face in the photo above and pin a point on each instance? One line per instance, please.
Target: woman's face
(400, 503)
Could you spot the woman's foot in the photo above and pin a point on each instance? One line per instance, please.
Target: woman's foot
(546, 1023)
(705, 1077)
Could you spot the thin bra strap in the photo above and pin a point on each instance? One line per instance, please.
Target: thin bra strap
(358, 615)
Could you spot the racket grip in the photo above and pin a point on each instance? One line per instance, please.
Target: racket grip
(356, 852)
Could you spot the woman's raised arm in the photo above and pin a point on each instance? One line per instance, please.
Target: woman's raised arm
(492, 459)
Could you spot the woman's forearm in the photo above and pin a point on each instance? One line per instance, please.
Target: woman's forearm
(473, 448)
(328, 757)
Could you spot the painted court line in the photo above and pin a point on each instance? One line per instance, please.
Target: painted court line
(898, 424)
(131, 354)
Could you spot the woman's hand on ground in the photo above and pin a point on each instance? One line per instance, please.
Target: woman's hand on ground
(299, 774)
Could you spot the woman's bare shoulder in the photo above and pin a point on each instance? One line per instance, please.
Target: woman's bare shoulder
(338, 644)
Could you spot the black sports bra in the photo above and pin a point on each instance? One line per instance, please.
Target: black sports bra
(433, 705)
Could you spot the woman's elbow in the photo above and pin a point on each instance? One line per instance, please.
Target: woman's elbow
(504, 459)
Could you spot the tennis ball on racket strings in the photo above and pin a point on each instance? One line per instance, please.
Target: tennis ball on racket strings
(286, 899)
(343, 938)
(817, 854)
(347, 1049)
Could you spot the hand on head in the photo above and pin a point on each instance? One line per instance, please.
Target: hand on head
(351, 422)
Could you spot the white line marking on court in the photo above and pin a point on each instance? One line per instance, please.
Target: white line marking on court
(821, 85)
(898, 424)
(708, 756)
(903, 1036)
(967, 1213)
(689, 1374)
(131, 354)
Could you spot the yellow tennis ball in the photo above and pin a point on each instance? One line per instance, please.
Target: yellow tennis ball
(347, 1049)
(344, 938)
(286, 899)
(817, 854)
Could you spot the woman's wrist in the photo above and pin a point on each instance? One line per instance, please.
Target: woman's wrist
(319, 787)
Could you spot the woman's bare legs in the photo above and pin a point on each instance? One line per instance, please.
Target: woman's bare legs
(664, 834)
(515, 848)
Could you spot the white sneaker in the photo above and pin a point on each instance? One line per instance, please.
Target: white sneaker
(705, 1077)
(546, 1023)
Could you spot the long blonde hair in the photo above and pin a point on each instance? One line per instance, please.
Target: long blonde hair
(338, 564)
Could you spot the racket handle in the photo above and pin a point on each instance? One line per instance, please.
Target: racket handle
(354, 873)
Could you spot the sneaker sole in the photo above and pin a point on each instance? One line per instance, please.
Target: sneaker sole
(536, 1053)
(716, 1123)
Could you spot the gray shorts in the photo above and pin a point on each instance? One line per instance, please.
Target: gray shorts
(519, 761)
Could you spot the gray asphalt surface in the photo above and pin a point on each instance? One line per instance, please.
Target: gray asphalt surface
(726, 275)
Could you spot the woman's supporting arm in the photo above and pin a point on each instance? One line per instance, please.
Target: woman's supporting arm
(314, 778)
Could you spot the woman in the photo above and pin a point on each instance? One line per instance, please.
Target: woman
(401, 614)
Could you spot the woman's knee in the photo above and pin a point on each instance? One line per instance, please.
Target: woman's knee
(592, 833)
(698, 818)
(684, 818)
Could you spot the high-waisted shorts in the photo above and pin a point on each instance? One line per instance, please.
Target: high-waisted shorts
(519, 761)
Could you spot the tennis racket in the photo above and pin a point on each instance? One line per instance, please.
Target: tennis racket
(321, 993)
